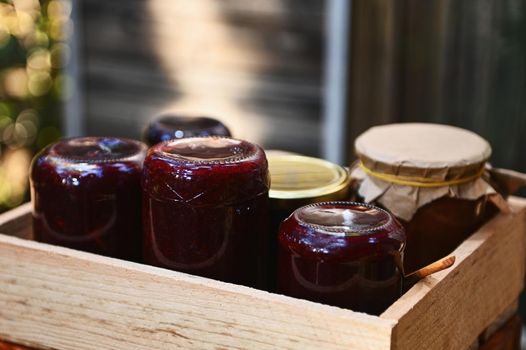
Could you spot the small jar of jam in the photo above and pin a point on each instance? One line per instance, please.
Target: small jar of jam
(344, 254)
(205, 208)
(171, 127)
(86, 195)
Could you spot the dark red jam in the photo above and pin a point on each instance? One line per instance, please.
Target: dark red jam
(205, 208)
(177, 127)
(342, 254)
(441, 226)
(86, 195)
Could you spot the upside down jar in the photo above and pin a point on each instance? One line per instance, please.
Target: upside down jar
(86, 195)
(205, 208)
(432, 178)
(169, 127)
(344, 254)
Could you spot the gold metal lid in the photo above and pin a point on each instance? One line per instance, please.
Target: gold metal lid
(308, 179)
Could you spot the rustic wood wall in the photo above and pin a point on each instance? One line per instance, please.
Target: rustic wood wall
(455, 62)
(256, 65)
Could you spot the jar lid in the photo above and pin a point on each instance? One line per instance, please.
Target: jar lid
(422, 145)
(406, 166)
(94, 150)
(301, 177)
(208, 150)
(344, 218)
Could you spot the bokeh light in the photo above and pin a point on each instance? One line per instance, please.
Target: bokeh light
(15, 82)
(34, 84)
(14, 167)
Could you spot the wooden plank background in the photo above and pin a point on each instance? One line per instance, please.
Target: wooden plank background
(256, 65)
(456, 62)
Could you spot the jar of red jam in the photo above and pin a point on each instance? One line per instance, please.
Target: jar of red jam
(433, 178)
(205, 208)
(344, 254)
(171, 127)
(86, 195)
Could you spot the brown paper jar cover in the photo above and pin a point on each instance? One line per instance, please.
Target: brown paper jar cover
(432, 177)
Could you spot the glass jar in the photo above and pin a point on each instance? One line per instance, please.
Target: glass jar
(344, 254)
(297, 181)
(440, 226)
(205, 208)
(86, 195)
(432, 178)
(171, 127)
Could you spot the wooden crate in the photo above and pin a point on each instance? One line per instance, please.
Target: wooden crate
(57, 298)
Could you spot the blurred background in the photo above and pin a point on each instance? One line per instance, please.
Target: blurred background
(33, 53)
(300, 75)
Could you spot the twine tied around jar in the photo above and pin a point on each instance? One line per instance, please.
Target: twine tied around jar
(417, 181)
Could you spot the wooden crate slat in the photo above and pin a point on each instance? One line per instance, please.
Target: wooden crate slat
(53, 297)
(61, 298)
(18, 222)
(449, 309)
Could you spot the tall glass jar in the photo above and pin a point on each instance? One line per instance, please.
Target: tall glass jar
(344, 254)
(432, 178)
(86, 195)
(205, 208)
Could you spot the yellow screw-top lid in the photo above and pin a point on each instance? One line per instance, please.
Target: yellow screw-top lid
(306, 179)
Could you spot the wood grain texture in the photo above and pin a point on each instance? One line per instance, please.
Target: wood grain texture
(53, 297)
(10, 346)
(17, 222)
(450, 62)
(254, 65)
(449, 309)
(57, 298)
(500, 321)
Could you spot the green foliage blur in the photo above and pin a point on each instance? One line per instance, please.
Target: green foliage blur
(33, 86)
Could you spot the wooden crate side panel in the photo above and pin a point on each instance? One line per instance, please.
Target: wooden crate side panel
(450, 309)
(59, 298)
(17, 222)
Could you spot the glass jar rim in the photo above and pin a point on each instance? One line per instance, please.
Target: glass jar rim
(340, 230)
(138, 150)
(251, 151)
